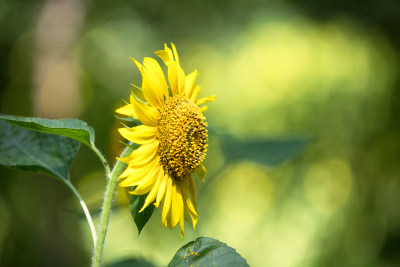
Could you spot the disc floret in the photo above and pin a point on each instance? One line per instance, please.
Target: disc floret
(183, 136)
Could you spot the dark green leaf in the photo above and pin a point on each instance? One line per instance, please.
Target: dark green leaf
(140, 218)
(205, 251)
(270, 152)
(36, 151)
(72, 128)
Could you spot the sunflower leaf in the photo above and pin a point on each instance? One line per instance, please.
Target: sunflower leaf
(72, 128)
(36, 151)
(140, 218)
(269, 152)
(205, 251)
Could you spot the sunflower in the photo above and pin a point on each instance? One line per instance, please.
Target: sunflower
(172, 138)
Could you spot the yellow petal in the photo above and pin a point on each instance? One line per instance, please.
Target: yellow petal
(152, 87)
(203, 109)
(145, 184)
(192, 190)
(135, 181)
(189, 83)
(162, 189)
(127, 110)
(195, 93)
(125, 160)
(134, 176)
(135, 173)
(141, 134)
(166, 203)
(205, 100)
(179, 72)
(188, 204)
(181, 209)
(176, 75)
(139, 155)
(157, 75)
(163, 55)
(175, 206)
(181, 80)
(126, 173)
(175, 53)
(136, 162)
(143, 151)
(145, 113)
(168, 58)
(147, 155)
(154, 190)
(192, 212)
(141, 189)
(201, 171)
(173, 78)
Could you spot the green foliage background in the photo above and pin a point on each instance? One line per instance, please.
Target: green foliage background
(320, 75)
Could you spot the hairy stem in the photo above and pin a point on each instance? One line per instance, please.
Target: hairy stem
(85, 210)
(106, 208)
(103, 161)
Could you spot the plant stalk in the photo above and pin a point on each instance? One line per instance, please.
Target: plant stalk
(106, 208)
(103, 161)
(85, 210)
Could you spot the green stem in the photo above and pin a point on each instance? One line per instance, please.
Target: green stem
(106, 208)
(85, 210)
(103, 161)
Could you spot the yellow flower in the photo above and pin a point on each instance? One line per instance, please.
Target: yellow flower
(173, 139)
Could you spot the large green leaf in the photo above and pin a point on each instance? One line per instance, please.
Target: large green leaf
(270, 152)
(140, 218)
(36, 151)
(72, 128)
(205, 251)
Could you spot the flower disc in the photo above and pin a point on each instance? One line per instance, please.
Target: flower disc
(183, 137)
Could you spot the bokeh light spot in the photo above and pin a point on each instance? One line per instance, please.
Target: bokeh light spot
(327, 185)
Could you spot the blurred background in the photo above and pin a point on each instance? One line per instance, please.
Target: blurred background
(304, 134)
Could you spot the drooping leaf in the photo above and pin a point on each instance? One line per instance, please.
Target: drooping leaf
(205, 251)
(140, 218)
(36, 151)
(72, 128)
(270, 152)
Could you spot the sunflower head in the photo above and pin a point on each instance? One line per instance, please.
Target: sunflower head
(183, 137)
(172, 137)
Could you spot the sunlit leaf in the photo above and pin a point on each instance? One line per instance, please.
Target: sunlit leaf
(36, 151)
(140, 218)
(205, 251)
(72, 128)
